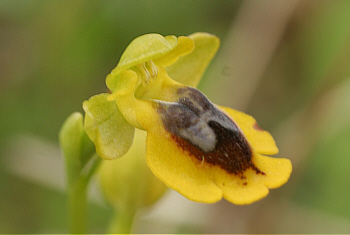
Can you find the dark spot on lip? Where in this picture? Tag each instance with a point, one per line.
(184, 121)
(257, 127)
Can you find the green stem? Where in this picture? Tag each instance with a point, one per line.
(77, 204)
(81, 162)
(78, 180)
(122, 221)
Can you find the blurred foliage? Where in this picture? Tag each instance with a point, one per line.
(328, 189)
(55, 54)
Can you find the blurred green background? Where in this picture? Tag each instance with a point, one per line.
(287, 63)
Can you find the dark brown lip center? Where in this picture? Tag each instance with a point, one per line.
(206, 133)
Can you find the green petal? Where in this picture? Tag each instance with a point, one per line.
(106, 127)
(163, 50)
(189, 69)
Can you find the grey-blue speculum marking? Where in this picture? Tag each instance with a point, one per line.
(200, 128)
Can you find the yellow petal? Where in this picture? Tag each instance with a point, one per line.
(253, 186)
(243, 182)
(240, 190)
(277, 170)
(261, 140)
(177, 169)
(203, 182)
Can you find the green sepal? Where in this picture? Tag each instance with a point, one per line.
(106, 127)
(162, 50)
(190, 68)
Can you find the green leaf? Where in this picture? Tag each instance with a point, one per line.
(190, 68)
(106, 127)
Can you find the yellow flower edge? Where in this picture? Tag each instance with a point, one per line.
(255, 186)
(262, 140)
(202, 182)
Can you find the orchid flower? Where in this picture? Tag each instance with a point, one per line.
(204, 151)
